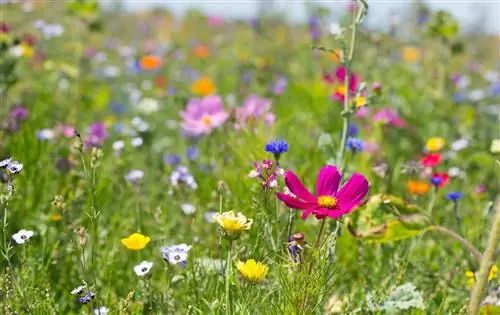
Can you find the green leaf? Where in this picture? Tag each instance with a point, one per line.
(386, 218)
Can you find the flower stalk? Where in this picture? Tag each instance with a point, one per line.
(486, 262)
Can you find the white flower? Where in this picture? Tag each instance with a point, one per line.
(22, 236)
(273, 183)
(336, 29)
(111, 71)
(176, 254)
(455, 172)
(118, 145)
(136, 142)
(78, 290)
(209, 216)
(45, 134)
(463, 82)
(476, 95)
(148, 105)
(5, 162)
(17, 51)
(140, 124)
(14, 167)
(103, 310)
(134, 176)
(126, 51)
(491, 76)
(39, 24)
(100, 57)
(188, 209)
(253, 174)
(460, 144)
(143, 268)
(52, 30)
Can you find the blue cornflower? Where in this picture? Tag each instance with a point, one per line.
(352, 130)
(117, 108)
(276, 147)
(454, 196)
(459, 97)
(89, 296)
(355, 144)
(192, 153)
(436, 181)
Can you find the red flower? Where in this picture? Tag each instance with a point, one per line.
(330, 201)
(431, 160)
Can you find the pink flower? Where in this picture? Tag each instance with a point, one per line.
(340, 90)
(201, 116)
(255, 108)
(330, 201)
(96, 135)
(66, 130)
(215, 20)
(389, 117)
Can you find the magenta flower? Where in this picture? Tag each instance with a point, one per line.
(389, 117)
(96, 135)
(330, 201)
(341, 91)
(201, 116)
(255, 108)
(19, 112)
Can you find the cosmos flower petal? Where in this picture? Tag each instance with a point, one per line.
(328, 181)
(352, 192)
(297, 188)
(292, 202)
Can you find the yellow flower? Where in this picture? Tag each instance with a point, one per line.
(495, 146)
(471, 279)
(136, 241)
(203, 86)
(55, 217)
(360, 101)
(435, 144)
(252, 271)
(233, 224)
(410, 53)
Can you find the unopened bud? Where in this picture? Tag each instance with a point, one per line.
(96, 157)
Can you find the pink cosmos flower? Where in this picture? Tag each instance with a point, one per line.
(65, 130)
(215, 20)
(201, 116)
(330, 201)
(389, 117)
(255, 108)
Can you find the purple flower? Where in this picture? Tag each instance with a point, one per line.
(201, 116)
(96, 135)
(255, 108)
(192, 153)
(19, 112)
(172, 159)
(279, 86)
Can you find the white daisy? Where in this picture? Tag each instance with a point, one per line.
(136, 142)
(188, 209)
(134, 176)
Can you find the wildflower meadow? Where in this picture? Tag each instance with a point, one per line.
(152, 163)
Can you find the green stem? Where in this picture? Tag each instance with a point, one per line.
(486, 262)
(432, 200)
(471, 248)
(228, 275)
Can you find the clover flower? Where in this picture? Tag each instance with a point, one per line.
(136, 241)
(252, 270)
(22, 236)
(329, 201)
(176, 254)
(233, 224)
(143, 268)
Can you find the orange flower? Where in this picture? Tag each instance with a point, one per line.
(201, 51)
(337, 56)
(416, 187)
(410, 53)
(150, 62)
(203, 86)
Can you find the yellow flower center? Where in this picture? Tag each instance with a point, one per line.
(327, 201)
(206, 120)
